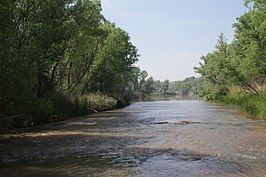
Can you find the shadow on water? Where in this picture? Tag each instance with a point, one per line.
(168, 98)
(132, 161)
(105, 154)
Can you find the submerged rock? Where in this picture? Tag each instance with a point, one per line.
(162, 122)
(181, 122)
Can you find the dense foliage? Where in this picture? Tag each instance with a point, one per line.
(53, 53)
(190, 86)
(240, 67)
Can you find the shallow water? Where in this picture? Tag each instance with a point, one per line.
(129, 142)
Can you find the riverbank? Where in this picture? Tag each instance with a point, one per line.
(254, 105)
(89, 104)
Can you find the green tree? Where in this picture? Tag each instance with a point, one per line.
(165, 85)
(216, 69)
(250, 47)
(242, 63)
(111, 71)
(54, 52)
(143, 86)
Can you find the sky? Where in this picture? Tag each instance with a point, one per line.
(172, 35)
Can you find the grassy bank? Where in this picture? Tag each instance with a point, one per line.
(57, 109)
(252, 104)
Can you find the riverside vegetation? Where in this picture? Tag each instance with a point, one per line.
(64, 58)
(235, 73)
(55, 55)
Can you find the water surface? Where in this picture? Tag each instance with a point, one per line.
(129, 142)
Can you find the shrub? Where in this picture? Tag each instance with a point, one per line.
(100, 102)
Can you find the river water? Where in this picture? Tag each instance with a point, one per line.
(129, 142)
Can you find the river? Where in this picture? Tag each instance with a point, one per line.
(218, 142)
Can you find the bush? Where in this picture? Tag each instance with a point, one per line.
(100, 102)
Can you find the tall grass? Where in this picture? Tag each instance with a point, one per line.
(252, 104)
(57, 108)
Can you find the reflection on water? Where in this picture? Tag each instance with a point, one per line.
(128, 142)
(169, 98)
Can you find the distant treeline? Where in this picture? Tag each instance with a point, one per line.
(188, 87)
(235, 73)
(148, 87)
(53, 53)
